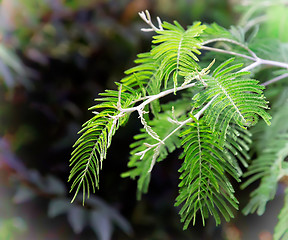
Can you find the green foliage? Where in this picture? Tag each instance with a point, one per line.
(281, 229)
(269, 167)
(142, 161)
(176, 50)
(143, 78)
(204, 186)
(90, 149)
(142, 165)
(141, 74)
(210, 120)
(238, 99)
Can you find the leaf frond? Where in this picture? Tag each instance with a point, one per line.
(96, 135)
(204, 187)
(142, 159)
(177, 50)
(239, 99)
(281, 229)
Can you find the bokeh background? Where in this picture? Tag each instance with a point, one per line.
(55, 57)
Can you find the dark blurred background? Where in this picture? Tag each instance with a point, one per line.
(55, 57)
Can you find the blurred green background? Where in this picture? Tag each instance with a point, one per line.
(55, 57)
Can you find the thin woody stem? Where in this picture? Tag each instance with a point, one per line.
(227, 52)
(276, 79)
(257, 61)
(231, 41)
(155, 97)
(182, 124)
(147, 18)
(197, 116)
(140, 111)
(150, 99)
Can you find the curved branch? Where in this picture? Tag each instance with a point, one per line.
(276, 79)
(182, 124)
(231, 41)
(226, 51)
(147, 18)
(257, 61)
(155, 97)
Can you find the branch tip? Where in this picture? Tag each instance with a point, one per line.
(147, 18)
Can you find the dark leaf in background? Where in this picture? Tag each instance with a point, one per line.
(54, 186)
(57, 207)
(23, 194)
(101, 224)
(113, 215)
(77, 217)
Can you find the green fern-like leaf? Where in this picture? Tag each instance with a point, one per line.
(239, 99)
(143, 73)
(269, 168)
(141, 166)
(204, 187)
(91, 148)
(281, 229)
(270, 165)
(214, 30)
(176, 50)
(236, 147)
(144, 78)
